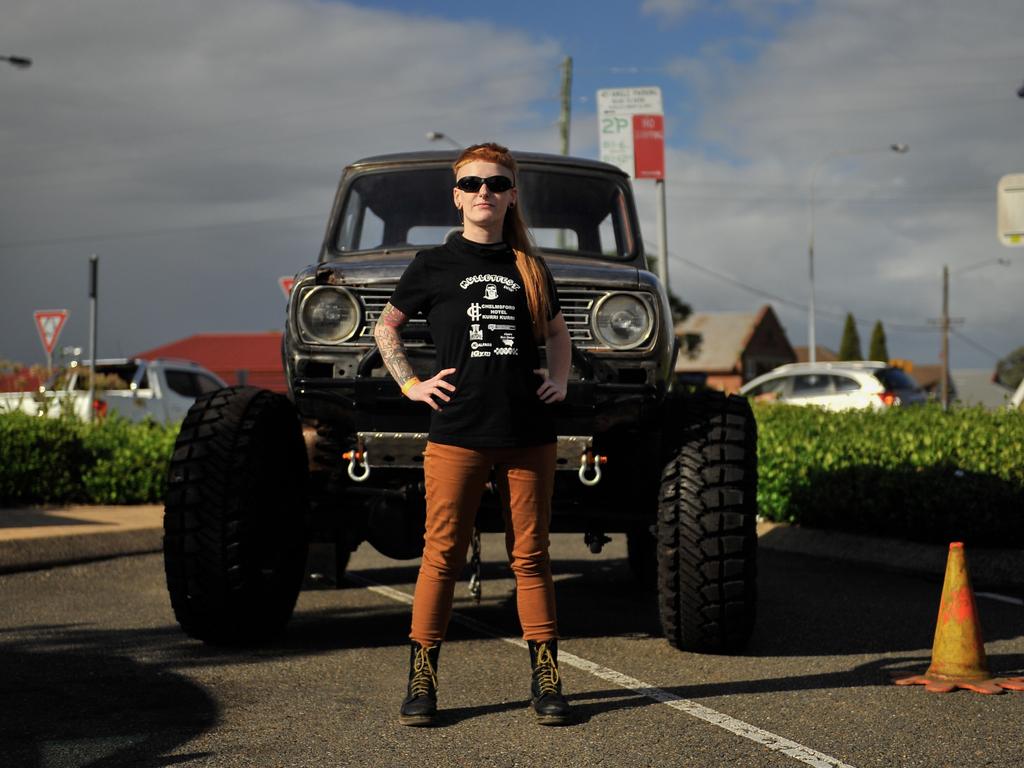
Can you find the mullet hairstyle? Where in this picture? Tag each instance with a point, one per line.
(515, 233)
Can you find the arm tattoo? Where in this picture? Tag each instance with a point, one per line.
(390, 316)
(389, 342)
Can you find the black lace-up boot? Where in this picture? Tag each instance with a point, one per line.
(546, 684)
(420, 705)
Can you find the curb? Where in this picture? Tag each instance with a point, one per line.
(46, 552)
(34, 538)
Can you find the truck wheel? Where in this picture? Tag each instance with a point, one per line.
(707, 527)
(234, 522)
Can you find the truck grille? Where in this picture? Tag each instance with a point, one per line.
(374, 300)
(577, 307)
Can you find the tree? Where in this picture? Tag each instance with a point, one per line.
(879, 350)
(680, 309)
(1010, 370)
(849, 347)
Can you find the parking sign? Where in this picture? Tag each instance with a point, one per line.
(620, 140)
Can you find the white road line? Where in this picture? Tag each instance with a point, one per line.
(1000, 598)
(767, 739)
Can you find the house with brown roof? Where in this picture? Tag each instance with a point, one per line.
(821, 354)
(731, 348)
(238, 358)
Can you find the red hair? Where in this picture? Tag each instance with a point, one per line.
(515, 233)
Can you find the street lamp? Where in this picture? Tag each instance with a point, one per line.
(900, 149)
(21, 62)
(438, 136)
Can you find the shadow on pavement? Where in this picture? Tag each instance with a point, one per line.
(82, 705)
(871, 674)
(806, 607)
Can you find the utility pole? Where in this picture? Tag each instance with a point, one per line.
(563, 120)
(563, 123)
(945, 322)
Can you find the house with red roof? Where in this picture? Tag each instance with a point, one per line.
(238, 358)
(728, 349)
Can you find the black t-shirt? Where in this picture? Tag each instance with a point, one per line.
(475, 304)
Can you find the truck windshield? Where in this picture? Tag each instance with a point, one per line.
(569, 213)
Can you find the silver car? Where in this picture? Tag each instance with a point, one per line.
(836, 386)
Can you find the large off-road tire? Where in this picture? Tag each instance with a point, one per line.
(234, 522)
(707, 527)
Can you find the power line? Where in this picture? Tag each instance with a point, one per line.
(157, 232)
(783, 300)
(976, 345)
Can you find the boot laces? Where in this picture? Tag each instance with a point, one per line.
(546, 671)
(424, 677)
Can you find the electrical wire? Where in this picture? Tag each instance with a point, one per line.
(900, 326)
(980, 347)
(131, 235)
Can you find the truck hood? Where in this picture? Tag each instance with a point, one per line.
(387, 266)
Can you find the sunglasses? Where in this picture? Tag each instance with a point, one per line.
(494, 183)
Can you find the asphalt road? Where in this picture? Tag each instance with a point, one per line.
(95, 672)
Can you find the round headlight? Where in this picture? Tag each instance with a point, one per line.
(622, 321)
(329, 315)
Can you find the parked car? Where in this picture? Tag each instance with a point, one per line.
(135, 389)
(836, 386)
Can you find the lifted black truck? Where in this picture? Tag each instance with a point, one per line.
(257, 476)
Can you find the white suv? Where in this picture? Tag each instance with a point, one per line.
(836, 386)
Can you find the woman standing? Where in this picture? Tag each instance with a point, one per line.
(489, 301)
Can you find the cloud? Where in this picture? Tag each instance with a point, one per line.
(670, 10)
(753, 11)
(845, 78)
(196, 147)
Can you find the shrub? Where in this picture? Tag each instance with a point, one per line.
(42, 459)
(129, 462)
(64, 460)
(914, 473)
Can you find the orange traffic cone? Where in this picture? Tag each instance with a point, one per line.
(958, 652)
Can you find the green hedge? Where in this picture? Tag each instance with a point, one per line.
(914, 473)
(64, 460)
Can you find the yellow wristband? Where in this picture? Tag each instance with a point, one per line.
(409, 385)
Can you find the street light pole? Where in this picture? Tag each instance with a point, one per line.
(438, 136)
(21, 62)
(944, 376)
(93, 274)
(901, 149)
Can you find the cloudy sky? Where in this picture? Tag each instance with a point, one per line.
(195, 147)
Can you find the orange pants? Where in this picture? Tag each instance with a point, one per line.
(455, 480)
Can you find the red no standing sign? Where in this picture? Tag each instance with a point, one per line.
(49, 323)
(649, 146)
